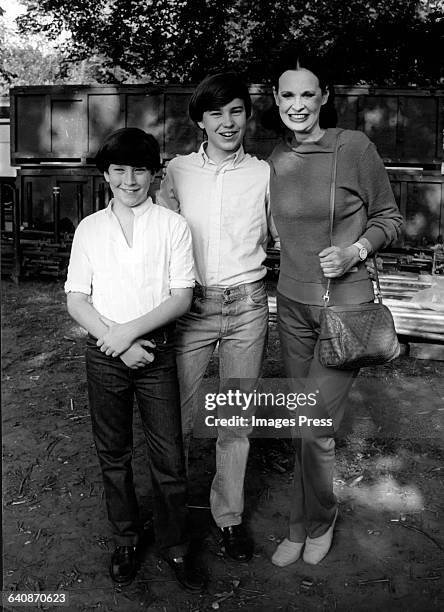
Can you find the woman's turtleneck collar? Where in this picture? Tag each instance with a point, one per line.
(324, 144)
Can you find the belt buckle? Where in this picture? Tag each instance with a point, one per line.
(228, 295)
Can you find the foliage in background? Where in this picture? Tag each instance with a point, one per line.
(378, 42)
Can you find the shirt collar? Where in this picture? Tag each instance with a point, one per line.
(138, 211)
(233, 159)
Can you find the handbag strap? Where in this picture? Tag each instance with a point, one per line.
(334, 167)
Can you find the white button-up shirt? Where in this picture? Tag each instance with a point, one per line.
(226, 206)
(127, 282)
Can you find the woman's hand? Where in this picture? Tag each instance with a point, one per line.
(336, 261)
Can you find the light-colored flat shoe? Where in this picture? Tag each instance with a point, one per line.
(317, 548)
(287, 552)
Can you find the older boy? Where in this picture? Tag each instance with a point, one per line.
(223, 194)
(130, 276)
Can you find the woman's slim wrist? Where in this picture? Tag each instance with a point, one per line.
(367, 245)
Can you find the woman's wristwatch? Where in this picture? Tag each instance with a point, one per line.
(362, 251)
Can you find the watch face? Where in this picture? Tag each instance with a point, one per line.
(363, 253)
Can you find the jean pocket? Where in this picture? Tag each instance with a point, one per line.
(257, 297)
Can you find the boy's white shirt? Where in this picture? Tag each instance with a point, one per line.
(227, 208)
(127, 282)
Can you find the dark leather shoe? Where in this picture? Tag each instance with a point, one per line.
(123, 566)
(237, 544)
(186, 574)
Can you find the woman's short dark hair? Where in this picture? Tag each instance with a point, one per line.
(293, 57)
(217, 90)
(129, 147)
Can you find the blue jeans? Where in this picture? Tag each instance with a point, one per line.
(112, 387)
(237, 319)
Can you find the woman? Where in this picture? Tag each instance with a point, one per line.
(366, 219)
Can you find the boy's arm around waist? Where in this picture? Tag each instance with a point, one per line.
(272, 231)
(274, 240)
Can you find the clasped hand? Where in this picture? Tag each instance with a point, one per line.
(336, 261)
(136, 356)
(117, 342)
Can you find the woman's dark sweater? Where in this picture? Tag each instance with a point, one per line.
(300, 202)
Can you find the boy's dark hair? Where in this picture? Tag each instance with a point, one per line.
(129, 147)
(216, 91)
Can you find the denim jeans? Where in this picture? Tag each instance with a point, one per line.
(313, 503)
(237, 319)
(112, 387)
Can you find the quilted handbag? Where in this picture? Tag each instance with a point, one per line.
(357, 335)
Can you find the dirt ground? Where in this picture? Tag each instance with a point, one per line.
(388, 549)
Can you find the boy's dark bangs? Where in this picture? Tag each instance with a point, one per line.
(225, 94)
(221, 97)
(127, 154)
(129, 147)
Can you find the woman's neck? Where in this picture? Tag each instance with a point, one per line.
(310, 137)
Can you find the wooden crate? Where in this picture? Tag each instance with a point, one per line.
(67, 123)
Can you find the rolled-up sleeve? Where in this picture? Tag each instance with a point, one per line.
(79, 278)
(384, 219)
(181, 270)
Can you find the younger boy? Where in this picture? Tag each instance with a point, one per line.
(130, 276)
(223, 194)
